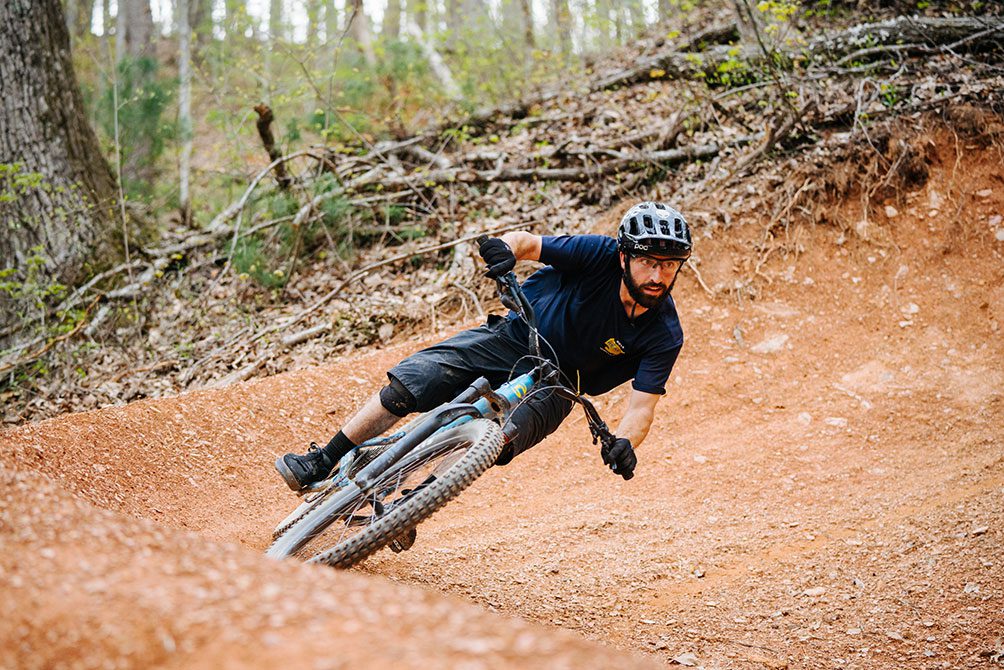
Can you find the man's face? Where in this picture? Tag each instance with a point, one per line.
(649, 279)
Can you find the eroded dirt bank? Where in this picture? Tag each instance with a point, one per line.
(823, 488)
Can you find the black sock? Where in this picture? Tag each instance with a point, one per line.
(338, 447)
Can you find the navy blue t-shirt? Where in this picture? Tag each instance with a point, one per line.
(576, 299)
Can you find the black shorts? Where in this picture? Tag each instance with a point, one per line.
(439, 373)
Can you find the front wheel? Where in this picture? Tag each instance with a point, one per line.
(351, 525)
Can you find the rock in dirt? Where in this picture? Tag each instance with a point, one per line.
(688, 659)
(771, 345)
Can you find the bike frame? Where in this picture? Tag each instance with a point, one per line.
(478, 401)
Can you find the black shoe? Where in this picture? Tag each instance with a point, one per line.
(302, 471)
(403, 542)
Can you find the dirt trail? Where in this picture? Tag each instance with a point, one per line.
(823, 488)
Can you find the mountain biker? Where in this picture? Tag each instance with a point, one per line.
(603, 305)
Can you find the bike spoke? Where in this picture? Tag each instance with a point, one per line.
(387, 493)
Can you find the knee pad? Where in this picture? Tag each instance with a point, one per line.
(396, 399)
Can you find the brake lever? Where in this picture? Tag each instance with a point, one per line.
(506, 293)
(597, 426)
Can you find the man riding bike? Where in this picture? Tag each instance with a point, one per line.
(604, 306)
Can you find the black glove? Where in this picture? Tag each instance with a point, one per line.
(498, 256)
(619, 455)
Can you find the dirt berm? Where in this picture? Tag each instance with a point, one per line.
(823, 487)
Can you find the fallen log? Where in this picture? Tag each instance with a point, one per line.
(912, 34)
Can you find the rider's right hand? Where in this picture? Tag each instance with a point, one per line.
(499, 257)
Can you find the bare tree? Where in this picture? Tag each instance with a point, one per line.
(603, 24)
(133, 30)
(454, 22)
(200, 22)
(106, 17)
(84, 18)
(526, 9)
(136, 57)
(637, 13)
(68, 211)
(330, 34)
(359, 26)
(436, 62)
(236, 17)
(561, 21)
(665, 10)
(184, 107)
(391, 29)
(418, 13)
(313, 23)
(276, 29)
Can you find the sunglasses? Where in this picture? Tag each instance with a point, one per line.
(665, 265)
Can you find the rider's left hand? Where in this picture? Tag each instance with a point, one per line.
(499, 257)
(619, 455)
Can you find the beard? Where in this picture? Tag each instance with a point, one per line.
(638, 294)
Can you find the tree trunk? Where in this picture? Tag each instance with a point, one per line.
(454, 23)
(200, 22)
(237, 17)
(561, 19)
(106, 17)
(418, 13)
(602, 10)
(528, 35)
(637, 17)
(436, 62)
(136, 57)
(72, 15)
(184, 108)
(313, 24)
(69, 212)
(84, 18)
(134, 30)
(665, 9)
(330, 34)
(361, 31)
(392, 20)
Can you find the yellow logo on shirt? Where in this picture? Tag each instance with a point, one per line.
(613, 347)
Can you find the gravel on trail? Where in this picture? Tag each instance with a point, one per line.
(823, 488)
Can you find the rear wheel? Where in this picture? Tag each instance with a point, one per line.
(347, 526)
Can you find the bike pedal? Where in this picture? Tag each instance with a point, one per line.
(403, 542)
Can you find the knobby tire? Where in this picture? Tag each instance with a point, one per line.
(486, 441)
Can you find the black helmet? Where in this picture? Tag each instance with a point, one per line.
(652, 228)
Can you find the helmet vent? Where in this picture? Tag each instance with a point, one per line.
(655, 227)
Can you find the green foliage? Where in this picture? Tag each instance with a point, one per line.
(15, 182)
(143, 97)
(733, 71)
(889, 94)
(250, 260)
(32, 291)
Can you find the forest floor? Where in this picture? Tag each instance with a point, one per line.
(823, 487)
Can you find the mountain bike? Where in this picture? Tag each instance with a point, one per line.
(382, 489)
